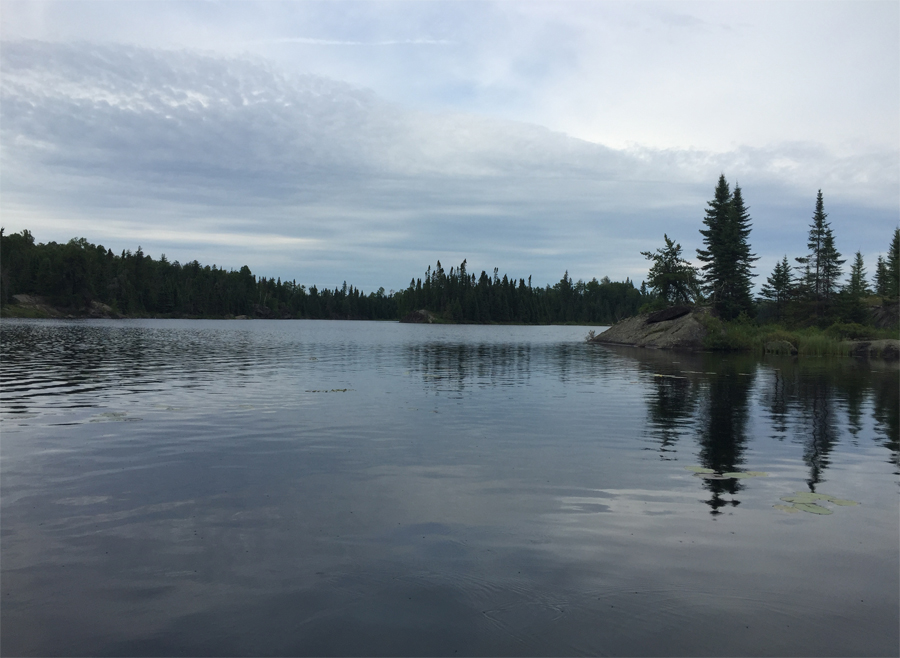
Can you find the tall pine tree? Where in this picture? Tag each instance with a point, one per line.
(727, 261)
(823, 261)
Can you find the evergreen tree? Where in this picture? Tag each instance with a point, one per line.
(671, 277)
(823, 261)
(739, 260)
(892, 265)
(857, 286)
(831, 267)
(717, 212)
(727, 261)
(854, 291)
(778, 287)
(881, 277)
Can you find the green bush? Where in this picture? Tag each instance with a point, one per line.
(727, 337)
(848, 331)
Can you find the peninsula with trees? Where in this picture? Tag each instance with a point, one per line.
(805, 307)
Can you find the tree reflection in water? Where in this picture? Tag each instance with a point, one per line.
(723, 417)
(806, 398)
(671, 403)
(815, 403)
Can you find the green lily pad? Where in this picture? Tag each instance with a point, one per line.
(842, 502)
(807, 501)
(812, 508)
(699, 469)
(741, 475)
(804, 497)
(787, 508)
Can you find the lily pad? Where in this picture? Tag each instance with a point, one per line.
(812, 508)
(741, 475)
(808, 501)
(787, 508)
(699, 469)
(804, 497)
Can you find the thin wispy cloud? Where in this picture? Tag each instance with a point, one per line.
(340, 42)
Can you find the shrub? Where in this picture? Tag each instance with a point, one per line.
(848, 331)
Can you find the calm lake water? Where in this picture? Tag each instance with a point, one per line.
(340, 488)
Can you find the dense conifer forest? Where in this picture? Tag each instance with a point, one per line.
(74, 275)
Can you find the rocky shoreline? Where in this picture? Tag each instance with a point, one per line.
(676, 328)
(35, 306)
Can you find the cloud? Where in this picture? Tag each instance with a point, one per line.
(339, 42)
(185, 152)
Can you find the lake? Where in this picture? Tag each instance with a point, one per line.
(175, 487)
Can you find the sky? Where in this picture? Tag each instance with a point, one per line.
(363, 141)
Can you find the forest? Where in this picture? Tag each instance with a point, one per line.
(74, 275)
(809, 291)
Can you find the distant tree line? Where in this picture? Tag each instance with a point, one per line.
(76, 274)
(461, 297)
(809, 292)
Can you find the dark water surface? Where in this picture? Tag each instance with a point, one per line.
(336, 488)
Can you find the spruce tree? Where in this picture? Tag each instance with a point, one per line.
(856, 289)
(778, 287)
(831, 267)
(823, 261)
(881, 277)
(857, 286)
(892, 264)
(727, 261)
(739, 264)
(716, 218)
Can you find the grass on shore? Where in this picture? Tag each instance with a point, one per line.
(744, 336)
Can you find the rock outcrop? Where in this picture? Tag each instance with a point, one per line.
(886, 316)
(38, 306)
(676, 328)
(885, 348)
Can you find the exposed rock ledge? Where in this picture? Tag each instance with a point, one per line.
(676, 328)
(41, 307)
(886, 348)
